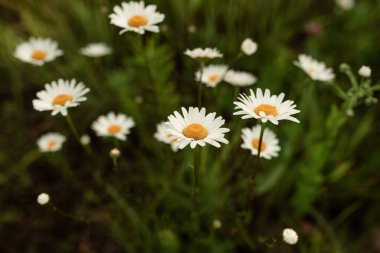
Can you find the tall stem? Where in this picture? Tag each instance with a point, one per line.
(200, 85)
(259, 150)
(75, 132)
(197, 159)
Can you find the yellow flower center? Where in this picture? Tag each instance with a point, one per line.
(137, 21)
(268, 109)
(255, 145)
(62, 99)
(195, 131)
(213, 78)
(39, 55)
(114, 129)
(51, 144)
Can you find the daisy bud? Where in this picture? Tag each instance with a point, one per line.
(365, 71)
(345, 4)
(289, 236)
(85, 140)
(43, 199)
(115, 153)
(248, 46)
(216, 224)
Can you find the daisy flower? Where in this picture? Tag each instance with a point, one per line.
(269, 144)
(162, 135)
(365, 71)
(265, 107)
(194, 127)
(59, 96)
(316, 70)
(37, 51)
(289, 236)
(211, 74)
(203, 54)
(50, 142)
(136, 17)
(96, 50)
(113, 125)
(248, 47)
(239, 78)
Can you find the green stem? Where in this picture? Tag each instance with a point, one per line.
(75, 132)
(200, 85)
(197, 159)
(259, 150)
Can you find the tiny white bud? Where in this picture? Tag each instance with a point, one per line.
(345, 4)
(248, 46)
(191, 28)
(217, 224)
(289, 236)
(43, 199)
(85, 140)
(365, 71)
(115, 153)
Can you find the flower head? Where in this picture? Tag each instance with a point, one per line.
(289, 236)
(269, 144)
(345, 4)
(239, 78)
(194, 127)
(264, 106)
(203, 54)
(59, 96)
(50, 142)
(211, 74)
(96, 50)
(365, 71)
(85, 140)
(136, 17)
(316, 70)
(43, 199)
(115, 153)
(249, 47)
(162, 135)
(38, 51)
(113, 125)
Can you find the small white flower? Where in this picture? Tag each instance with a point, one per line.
(194, 127)
(96, 50)
(290, 236)
(162, 135)
(269, 145)
(365, 71)
(345, 4)
(265, 107)
(316, 70)
(113, 125)
(211, 74)
(115, 153)
(249, 47)
(136, 17)
(43, 199)
(203, 54)
(239, 78)
(38, 51)
(216, 224)
(59, 96)
(50, 142)
(85, 140)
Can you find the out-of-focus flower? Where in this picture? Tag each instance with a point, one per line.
(269, 144)
(216, 224)
(162, 135)
(85, 140)
(289, 236)
(314, 28)
(113, 125)
(115, 153)
(316, 70)
(96, 50)
(203, 54)
(365, 71)
(43, 199)
(239, 78)
(211, 75)
(345, 4)
(38, 51)
(50, 142)
(249, 47)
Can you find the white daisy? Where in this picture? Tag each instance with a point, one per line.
(37, 51)
(269, 144)
(239, 78)
(265, 107)
(194, 127)
(211, 74)
(316, 70)
(203, 54)
(249, 47)
(162, 135)
(113, 125)
(289, 236)
(365, 71)
(50, 142)
(136, 17)
(96, 50)
(43, 198)
(59, 96)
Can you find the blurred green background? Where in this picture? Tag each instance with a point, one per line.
(325, 183)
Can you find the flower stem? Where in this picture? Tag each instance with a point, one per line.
(197, 159)
(259, 150)
(75, 132)
(200, 85)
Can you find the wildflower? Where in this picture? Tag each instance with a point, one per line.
(115, 153)
(50, 142)
(239, 78)
(216, 224)
(96, 50)
(269, 144)
(345, 4)
(38, 51)
(249, 47)
(59, 96)
(316, 70)
(162, 135)
(85, 139)
(203, 54)
(43, 199)
(290, 236)
(113, 125)
(136, 17)
(194, 127)
(365, 71)
(211, 75)
(265, 107)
